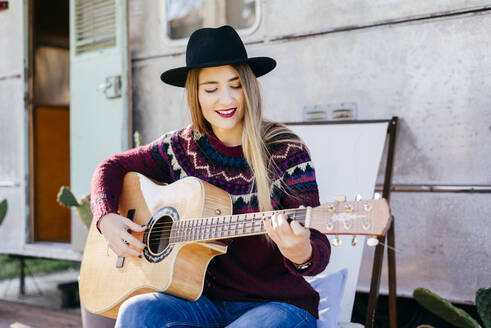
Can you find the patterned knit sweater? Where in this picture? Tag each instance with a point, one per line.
(253, 268)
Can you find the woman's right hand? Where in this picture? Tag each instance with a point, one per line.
(115, 229)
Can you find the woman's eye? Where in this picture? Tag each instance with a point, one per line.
(237, 86)
(210, 90)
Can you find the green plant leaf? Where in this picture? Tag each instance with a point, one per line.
(66, 198)
(84, 211)
(444, 309)
(3, 210)
(483, 304)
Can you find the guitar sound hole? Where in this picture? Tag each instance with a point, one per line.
(159, 234)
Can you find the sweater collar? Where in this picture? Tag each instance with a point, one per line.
(235, 151)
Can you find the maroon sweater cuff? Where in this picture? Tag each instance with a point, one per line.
(321, 251)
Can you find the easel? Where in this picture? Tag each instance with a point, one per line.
(379, 251)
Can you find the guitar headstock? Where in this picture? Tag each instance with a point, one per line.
(361, 217)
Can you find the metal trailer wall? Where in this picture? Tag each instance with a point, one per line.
(12, 128)
(427, 62)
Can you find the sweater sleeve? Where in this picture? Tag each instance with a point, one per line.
(107, 181)
(300, 188)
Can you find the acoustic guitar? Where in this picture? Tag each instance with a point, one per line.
(185, 222)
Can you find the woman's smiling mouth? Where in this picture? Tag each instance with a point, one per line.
(226, 113)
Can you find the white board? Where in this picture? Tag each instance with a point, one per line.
(346, 159)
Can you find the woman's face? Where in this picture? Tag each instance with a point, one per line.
(221, 99)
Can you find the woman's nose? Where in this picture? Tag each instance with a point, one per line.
(226, 97)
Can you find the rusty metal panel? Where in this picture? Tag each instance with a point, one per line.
(148, 31)
(442, 242)
(157, 107)
(147, 19)
(11, 50)
(12, 170)
(434, 75)
(312, 16)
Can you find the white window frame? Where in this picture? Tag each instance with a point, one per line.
(178, 43)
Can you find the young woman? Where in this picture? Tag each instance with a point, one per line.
(259, 282)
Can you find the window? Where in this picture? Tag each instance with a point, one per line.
(186, 16)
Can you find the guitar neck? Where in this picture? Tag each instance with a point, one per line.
(230, 226)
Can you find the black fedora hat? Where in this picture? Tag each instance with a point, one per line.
(208, 47)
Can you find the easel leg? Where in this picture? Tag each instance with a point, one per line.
(391, 257)
(375, 283)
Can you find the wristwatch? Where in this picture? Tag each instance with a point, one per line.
(303, 266)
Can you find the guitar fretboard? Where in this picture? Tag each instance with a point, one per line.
(219, 227)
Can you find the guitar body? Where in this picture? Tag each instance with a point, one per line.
(107, 280)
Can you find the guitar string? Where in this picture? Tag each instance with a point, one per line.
(188, 231)
(198, 229)
(212, 230)
(290, 211)
(300, 216)
(229, 217)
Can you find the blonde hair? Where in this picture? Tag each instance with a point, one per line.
(255, 141)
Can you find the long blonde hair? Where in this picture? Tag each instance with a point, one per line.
(255, 141)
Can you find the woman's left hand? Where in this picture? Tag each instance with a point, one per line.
(292, 239)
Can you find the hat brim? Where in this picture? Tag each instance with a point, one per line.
(259, 66)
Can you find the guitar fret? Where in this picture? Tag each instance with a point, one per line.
(229, 220)
(207, 228)
(233, 225)
(224, 224)
(203, 229)
(193, 229)
(172, 234)
(248, 225)
(197, 228)
(215, 227)
(199, 224)
(219, 227)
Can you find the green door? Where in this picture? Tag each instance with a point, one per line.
(100, 117)
(99, 86)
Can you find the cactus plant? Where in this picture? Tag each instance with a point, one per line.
(444, 309)
(483, 304)
(3, 210)
(66, 198)
(137, 139)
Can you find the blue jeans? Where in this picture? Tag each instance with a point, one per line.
(162, 310)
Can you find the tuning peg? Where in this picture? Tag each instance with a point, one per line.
(340, 198)
(372, 241)
(337, 241)
(348, 208)
(377, 195)
(354, 240)
(347, 224)
(358, 197)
